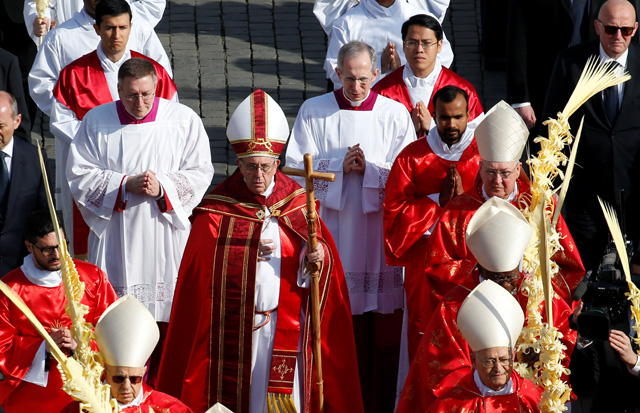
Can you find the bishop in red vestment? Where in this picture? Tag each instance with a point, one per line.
(426, 175)
(240, 329)
(30, 386)
(415, 84)
(91, 81)
(500, 137)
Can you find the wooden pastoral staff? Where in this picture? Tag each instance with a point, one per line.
(314, 268)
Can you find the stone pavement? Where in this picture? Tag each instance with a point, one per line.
(222, 50)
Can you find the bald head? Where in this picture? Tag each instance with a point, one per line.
(616, 25)
(9, 118)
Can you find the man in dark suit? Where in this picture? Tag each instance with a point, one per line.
(608, 157)
(21, 185)
(11, 81)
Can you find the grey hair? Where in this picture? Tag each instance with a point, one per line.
(13, 104)
(137, 68)
(355, 48)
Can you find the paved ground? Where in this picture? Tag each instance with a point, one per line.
(223, 49)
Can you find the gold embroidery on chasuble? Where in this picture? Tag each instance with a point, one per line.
(243, 303)
(282, 369)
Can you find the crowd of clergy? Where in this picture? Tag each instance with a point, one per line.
(403, 292)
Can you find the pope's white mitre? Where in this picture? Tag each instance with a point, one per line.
(490, 317)
(502, 134)
(258, 127)
(497, 235)
(127, 333)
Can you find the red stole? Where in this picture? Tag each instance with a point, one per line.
(83, 86)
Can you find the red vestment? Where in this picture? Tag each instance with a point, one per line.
(393, 87)
(466, 397)
(449, 261)
(444, 357)
(207, 356)
(83, 86)
(408, 213)
(19, 340)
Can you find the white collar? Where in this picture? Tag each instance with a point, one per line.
(413, 81)
(487, 392)
(35, 275)
(270, 188)
(355, 103)
(9, 148)
(622, 60)
(510, 198)
(107, 64)
(135, 402)
(453, 152)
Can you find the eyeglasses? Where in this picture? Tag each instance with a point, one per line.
(121, 379)
(492, 173)
(413, 44)
(504, 362)
(613, 30)
(144, 96)
(351, 80)
(46, 251)
(253, 167)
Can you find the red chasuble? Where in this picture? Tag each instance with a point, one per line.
(444, 357)
(449, 261)
(83, 86)
(393, 87)
(466, 397)
(408, 213)
(19, 340)
(207, 356)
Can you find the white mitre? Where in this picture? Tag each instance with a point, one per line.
(490, 317)
(258, 127)
(502, 134)
(127, 333)
(218, 408)
(497, 235)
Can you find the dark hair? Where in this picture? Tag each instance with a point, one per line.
(137, 68)
(112, 8)
(424, 21)
(448, 93)
(38, 225)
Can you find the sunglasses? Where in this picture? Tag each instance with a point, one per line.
(121, 379)
(613, 30)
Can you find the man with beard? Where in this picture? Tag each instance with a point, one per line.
(426, 175)
(32, 380)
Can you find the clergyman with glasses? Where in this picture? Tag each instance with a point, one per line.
(136, 169)
(32, 382)
(240, 327)
(501, 138)
(415, 84)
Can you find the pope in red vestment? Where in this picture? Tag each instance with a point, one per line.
(413, 197)
(449, 260)
(19, 340)
(444, 357)
(465, 397)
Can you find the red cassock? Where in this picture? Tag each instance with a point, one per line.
(19, 340)
(207, 356)
(466, 398)
(444, 357)
(449, 261)
(83, 86)
(393, 87)
(408, 213)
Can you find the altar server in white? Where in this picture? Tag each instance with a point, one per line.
(136, 168)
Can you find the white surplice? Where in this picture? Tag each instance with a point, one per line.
(351, 206)
(140, 248)
(147, 11)
(65, 125)
(376, 26)
(72, 40)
